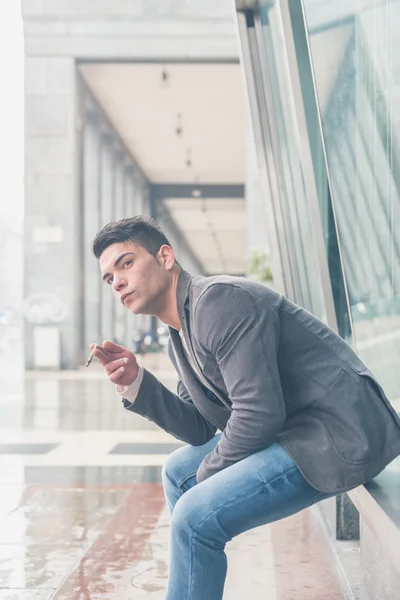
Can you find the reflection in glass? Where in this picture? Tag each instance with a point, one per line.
(356, 63)
(296, 223)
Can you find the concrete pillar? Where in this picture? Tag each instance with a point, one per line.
(119, 310)
(119, 186)
(138, 201)
(91, 216)
(106, 215)
(130, 320)
(53, 221)
(135, 207)
(143, 208)
(129, 192)
(347, 519)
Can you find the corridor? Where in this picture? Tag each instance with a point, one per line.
(82, 514)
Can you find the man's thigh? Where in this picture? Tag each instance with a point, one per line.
(262, 488)
(182, 465)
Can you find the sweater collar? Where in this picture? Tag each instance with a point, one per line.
(182, 292)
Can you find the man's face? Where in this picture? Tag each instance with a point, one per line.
(138, 280)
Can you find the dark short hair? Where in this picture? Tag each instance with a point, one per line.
(141, 230)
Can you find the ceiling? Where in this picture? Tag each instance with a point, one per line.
(144, 108)
(184, 124)
(215, 229)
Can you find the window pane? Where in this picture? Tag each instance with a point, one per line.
(356, 62)
(292, 195)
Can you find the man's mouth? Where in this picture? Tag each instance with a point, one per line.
(124, 296)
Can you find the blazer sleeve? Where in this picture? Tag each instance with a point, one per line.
(175, 413)
(242, 334)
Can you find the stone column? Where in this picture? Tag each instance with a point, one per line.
(119, 310)
(143, 208)
(107, 210)
(130, 321)
(91, 217)
(53, 224)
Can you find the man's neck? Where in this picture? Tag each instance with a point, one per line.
(169, 315)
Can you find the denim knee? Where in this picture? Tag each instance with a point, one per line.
(186, 513)
(175, 467)
(193, 515)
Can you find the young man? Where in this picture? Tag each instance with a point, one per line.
(302, 418)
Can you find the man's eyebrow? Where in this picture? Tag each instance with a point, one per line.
(117, 263)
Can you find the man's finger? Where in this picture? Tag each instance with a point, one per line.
(102, 356)
(117, 375)
(114, 348)
(112, 366)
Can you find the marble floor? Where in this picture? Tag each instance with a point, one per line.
(82, 512)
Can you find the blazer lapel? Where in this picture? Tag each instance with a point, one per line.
(184, 316)
(218, 415)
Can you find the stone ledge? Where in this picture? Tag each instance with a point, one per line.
(167, 48)
(378, 503)
(125, 8)
(132, 27)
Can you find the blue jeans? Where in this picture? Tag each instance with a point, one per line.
(264, 487)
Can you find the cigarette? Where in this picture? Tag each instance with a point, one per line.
(90, 358)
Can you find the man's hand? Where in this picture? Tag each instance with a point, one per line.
(119, 363)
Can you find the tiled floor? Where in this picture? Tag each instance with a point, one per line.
(82, 513)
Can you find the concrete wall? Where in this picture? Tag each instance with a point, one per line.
(52, 200)
(130, 29)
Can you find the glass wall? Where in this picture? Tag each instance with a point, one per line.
(355, 54)
(279, 151)
(323, 78)
(297, 229)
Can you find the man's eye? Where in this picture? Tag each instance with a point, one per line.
(109, 281)
(128, 262)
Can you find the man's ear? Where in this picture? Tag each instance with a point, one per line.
(166, 257)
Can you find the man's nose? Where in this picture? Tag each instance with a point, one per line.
(118, 284)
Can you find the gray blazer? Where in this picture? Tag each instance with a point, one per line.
(270, 371)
